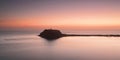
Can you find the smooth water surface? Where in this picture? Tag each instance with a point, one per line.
(33, 47)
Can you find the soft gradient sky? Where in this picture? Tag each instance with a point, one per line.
(60, 14)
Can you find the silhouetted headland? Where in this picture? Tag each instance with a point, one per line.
(51, 34)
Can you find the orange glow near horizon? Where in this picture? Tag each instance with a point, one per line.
(68, 21)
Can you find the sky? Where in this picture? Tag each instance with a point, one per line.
(60, 14)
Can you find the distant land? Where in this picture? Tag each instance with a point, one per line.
(55, 34)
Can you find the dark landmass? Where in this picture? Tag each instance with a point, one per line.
(111, 35)
(51, 34)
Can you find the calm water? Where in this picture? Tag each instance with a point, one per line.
(14, 46)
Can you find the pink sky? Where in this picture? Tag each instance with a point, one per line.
(61, 14)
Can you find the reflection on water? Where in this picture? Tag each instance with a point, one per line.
(32, 47)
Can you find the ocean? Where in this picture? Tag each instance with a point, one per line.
(29, 46)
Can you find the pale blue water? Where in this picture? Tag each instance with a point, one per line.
(29, 46)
